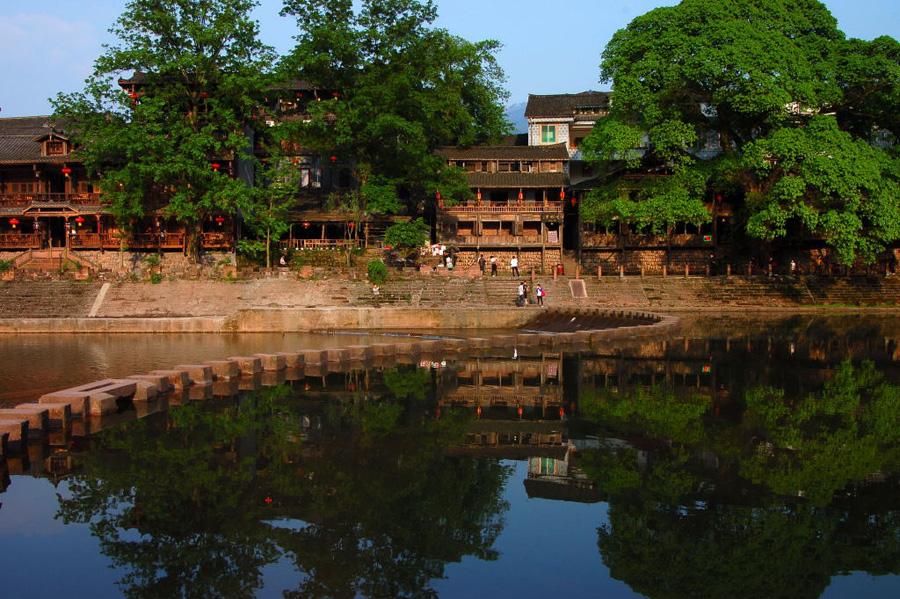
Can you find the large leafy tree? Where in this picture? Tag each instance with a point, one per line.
(198, 68)
(792, 105)
(402, 88)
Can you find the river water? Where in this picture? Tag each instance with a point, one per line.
(734, 458)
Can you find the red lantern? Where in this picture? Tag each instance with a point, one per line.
(562, 194)
(521, 195)
(479, 195)
(220, 220)
(14, 222)
(133, 96)
(66, 171)
(437, 194)
(79, 220)
(204, 95)
(335, 94)
(215, 166)
(334, 158)
(351, 224)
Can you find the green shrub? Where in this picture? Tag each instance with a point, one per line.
(377, 272)
(156, 278)
(5, 265)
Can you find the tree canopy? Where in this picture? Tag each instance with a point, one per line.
(764, 102)
(403, 88)
(198, 72)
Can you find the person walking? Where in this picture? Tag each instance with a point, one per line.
(514, 265)
(520, 301)
(539, 294)
(493, 266)
(480, 262)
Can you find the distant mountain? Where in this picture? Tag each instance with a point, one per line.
(516, 114)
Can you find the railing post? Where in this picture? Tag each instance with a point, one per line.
(687, 270)
(599, 272)
(664, 270)
(621, 271)
(728, 270)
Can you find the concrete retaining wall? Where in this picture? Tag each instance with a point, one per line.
(283, 319)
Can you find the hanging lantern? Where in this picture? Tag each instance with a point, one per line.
(520, 411)
(437, 194)
(305, 225)
(79, 220)
(334, 158)
(66, 171)
(562, 194)
(133, 96)
(479, 410)
(351, 224)
(215, 166)
(562, 412)
(478, 195)
(204, 95)
(335, 94)
(295, 160)
(220, 220)
(14, 222)
(521, 195)
(718, 197)
(574, 201)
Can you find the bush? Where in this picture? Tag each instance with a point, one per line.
(5, 265)
(377, 271)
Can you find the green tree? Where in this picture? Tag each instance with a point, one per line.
(402, 89)
(791, 103)
(199, 69)
(407, 235)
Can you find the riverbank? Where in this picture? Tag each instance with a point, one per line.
(283, 302)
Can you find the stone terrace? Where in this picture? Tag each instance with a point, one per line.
(179, 298)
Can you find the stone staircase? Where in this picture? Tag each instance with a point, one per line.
(47, 299)
(52, 260)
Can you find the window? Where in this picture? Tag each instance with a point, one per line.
(548, 134)
(55, 148)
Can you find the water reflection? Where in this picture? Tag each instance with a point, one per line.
(752, 461)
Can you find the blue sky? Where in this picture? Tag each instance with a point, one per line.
(48, 46)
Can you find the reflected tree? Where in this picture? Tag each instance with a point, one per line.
(197, 501)
(788, 494)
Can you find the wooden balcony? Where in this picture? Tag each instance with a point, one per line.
(473, 207)
(15, 241)
(320, 244)
(27, 199)
(505, 241)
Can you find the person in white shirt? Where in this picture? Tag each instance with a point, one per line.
(514, 265)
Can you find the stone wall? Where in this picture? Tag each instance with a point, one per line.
(649, 262)
(528, 259)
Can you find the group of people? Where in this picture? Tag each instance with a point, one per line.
(539, 294)
(482, 264)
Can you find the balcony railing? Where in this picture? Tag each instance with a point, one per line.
(27, 199)
(320, 244)
(498, 240)
(20, 240)
(472, 207)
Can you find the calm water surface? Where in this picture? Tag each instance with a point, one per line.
(735, 459)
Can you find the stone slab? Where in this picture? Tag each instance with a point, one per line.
(160, 380)
(271, 362)
(58, 414)
(292, 359)
(100, 404)
(200, 374)
(17, 428)
(178, 379)
(224, 370)
(248, 365)
(38, 418)
(144, 391)
(77, 401)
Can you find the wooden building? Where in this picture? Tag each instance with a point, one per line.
(517, 209)
(47, 199)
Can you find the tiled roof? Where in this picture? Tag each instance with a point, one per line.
(566, 105)
(515, 180)
(20, 140)
(513, 152)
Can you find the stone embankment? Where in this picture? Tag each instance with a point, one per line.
(285, 302)
(91, 407)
